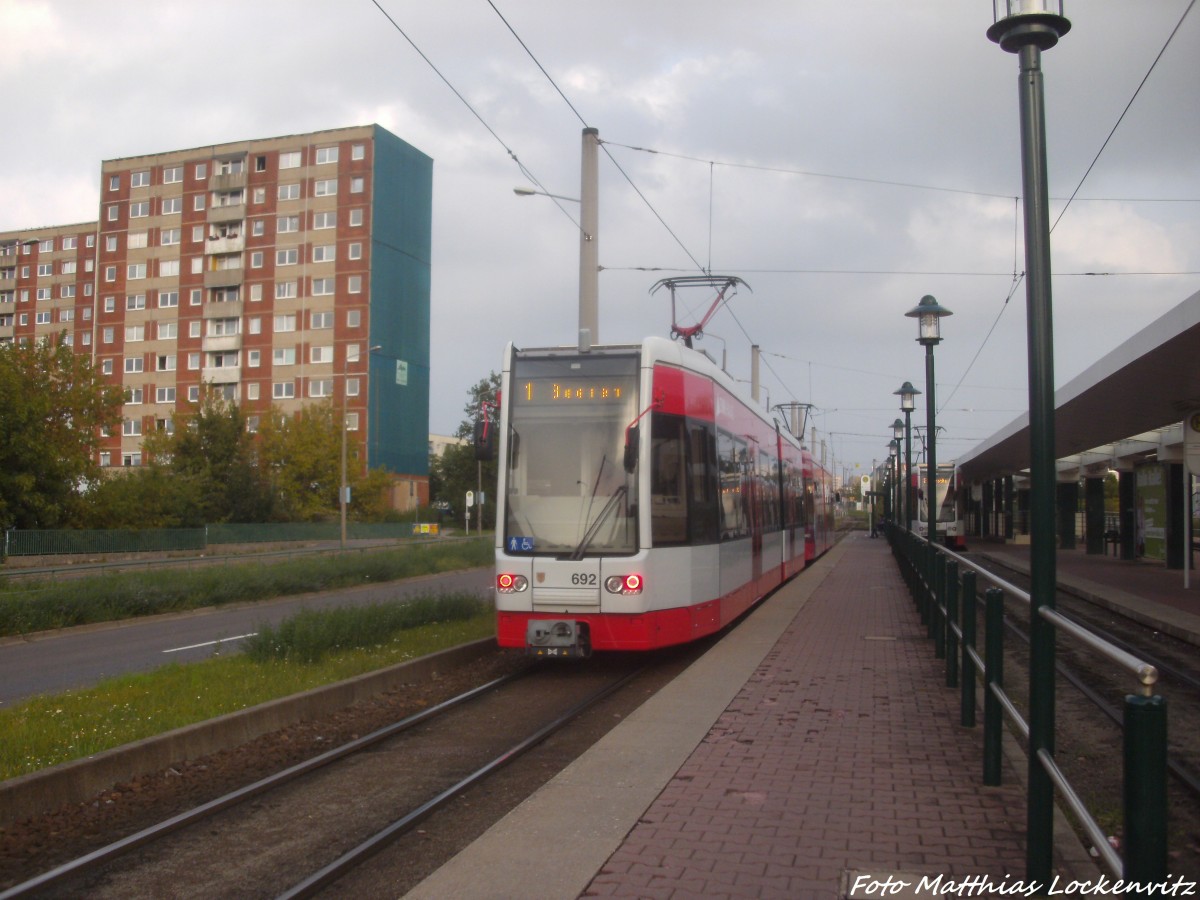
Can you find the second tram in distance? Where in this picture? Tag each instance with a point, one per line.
(641, 503)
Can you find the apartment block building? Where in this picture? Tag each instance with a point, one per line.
(278, 272)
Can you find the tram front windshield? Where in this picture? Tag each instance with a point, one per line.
(945, 501)
(568, 493)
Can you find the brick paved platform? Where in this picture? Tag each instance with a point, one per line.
(824, 746)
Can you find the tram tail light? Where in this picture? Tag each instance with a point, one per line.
(507, 583)
(623, 584)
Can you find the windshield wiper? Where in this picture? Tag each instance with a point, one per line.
(617, 496)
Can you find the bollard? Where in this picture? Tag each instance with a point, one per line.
(950, 589)
(938, 622)
(1145, 789)
(993, 661)
(969, 675)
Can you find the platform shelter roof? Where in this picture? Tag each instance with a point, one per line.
(1126, 407)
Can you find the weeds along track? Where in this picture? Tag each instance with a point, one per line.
(297, 830)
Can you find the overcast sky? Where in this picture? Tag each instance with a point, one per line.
(844, 159)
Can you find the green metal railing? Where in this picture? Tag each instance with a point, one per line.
(943, 587)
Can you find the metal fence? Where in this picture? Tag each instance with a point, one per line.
(68, 542)
(943, 585)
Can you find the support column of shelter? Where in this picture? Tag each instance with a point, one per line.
(1093, 515)
(1067, 503)
(1010, 508)
(1127, 498)
(1173, 477)
(988, 510)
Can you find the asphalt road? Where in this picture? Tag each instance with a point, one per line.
(56, 661)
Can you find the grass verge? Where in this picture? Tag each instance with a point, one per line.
(126, 595)
(52, 729)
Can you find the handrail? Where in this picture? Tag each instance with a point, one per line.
(1146, 673)
(927, 574)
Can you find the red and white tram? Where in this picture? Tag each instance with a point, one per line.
(641, 503)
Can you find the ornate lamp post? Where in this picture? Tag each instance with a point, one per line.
(894, 459)
(1027, 27)
(929, 314)
(908, 402)
(902, 473)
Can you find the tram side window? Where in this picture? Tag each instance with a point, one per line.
(732, 461)
(702, 483)
(668, 482)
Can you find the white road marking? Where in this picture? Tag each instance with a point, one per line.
(237, 637)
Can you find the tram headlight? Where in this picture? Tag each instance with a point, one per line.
(508, 583)
(623, 584)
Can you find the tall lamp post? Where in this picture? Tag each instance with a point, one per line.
(894, 471)
(343, 494)
(1026, 28)
(908, 402)
(902, 506)
(929, 314)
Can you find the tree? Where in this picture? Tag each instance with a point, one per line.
(300, 456)
(54, 405)
(211, 451)
(457, 471)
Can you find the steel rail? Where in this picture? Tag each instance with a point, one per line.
(368, 848)
(148, 835)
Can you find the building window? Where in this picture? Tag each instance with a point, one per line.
(168, 299)
(170, 236)
(356, 217)
(135, 301)
(327, 155)
(172, 174)
(139, 210)
(133, 458)
(325, 219)
(289, 160)
(135, 333)
(288, 191)
(351, 387)
(256, 259)
(253, 358)
(258, 228)
(194, 328)
(284, 356)
(260, 164)
(139, 179)
(105, 458)
(358, 151)
(283, 390)
(201, 171)
(42, 318)
(285, 322)
(354, 251)
(352, 421)
(319, 355)
(165, 362)
(285, 290)
(165, 395)
(223, 327)
(136, 240)
(168, 268)
(252, 390)
(357, 183)
(135, 271)
(322, 286)
(320, 387)
(321, 320)
(324, 253)
(287, 224)
(134, 364)
(326, 187)
(172, 206)
(354, 284)
(193, 393)
(353, 318)
(287, 257)
(114, 182)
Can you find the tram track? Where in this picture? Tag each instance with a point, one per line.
(300, 820)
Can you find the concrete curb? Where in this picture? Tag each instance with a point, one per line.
(76, 781)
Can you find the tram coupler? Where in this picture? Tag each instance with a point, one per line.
(558, 638)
